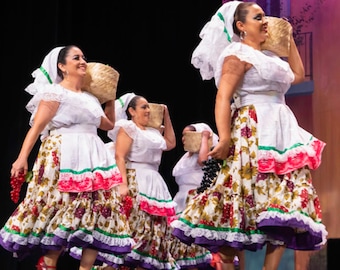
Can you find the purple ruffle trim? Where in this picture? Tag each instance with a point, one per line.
(214, 245)
(283, 230)
(77, 242)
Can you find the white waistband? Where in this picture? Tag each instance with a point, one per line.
(75, 129)
(187, 187)
(256, 98)
(136, 165)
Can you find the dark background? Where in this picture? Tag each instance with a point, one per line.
(148, 42)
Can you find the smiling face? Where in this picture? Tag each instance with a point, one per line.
(140, 112)
(253, 25)
(74, 63)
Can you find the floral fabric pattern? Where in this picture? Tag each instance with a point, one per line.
(152, 236)
(245, 208)
(50, 219)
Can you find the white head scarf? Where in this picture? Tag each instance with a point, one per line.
(47, 73)
(121, 105)
(201, 127)
(216, 35)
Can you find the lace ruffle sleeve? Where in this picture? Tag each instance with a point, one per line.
(268, 65)
(55, 92)
(47, 93)
(128, 125)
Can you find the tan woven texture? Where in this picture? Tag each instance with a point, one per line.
(156, 115)
(279, 34)
(192, 141)
(101, 80)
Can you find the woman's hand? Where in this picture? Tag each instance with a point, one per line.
(19, 167)
(123, 190)
(220, 151)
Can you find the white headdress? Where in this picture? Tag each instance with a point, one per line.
(216, 35)
(121, 105)
(47, 73)
(203, 126)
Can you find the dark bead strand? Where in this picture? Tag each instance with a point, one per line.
(210, 168)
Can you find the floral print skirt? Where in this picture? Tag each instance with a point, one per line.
(189, 256)
(49, 219)
(246, 209)
(152, 235)
(156, 247)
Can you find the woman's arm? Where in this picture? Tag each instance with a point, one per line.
(295, 62)
(204, 148)
(123, 147)
(232, 73)
(46, 111)
(108, 122)
(169, 133)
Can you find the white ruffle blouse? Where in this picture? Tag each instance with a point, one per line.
(283, 145)
(188, 175)
(145, 156)
(85, 163)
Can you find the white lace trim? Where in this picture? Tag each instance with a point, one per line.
(307, 221)
(268, 65)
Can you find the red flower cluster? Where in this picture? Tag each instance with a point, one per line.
(127, 205)
(16, 183)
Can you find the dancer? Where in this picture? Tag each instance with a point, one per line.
(188, 175)
(263, 194)
(138, 153)
(74, 197)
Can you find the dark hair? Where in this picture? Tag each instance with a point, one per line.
(190, 127)
(62, 58)
(132, 104)
(241, 14)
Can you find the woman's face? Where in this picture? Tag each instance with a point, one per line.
(75, 63)
(255, 25)
(141, 114)
(186, 129)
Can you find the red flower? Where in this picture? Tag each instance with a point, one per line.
(317, 208)
(35, 210)
(127, 206)
(304, 198)
(15, 228)
(55, 158)
(252, 115)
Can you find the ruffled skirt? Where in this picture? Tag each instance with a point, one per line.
(153, 196)
(245, 208)
(151, 233)
(49, 219)
(156, 247)
(187, 256)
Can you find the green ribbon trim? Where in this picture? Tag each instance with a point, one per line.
(272, 148)
(121, 102)
(219, 14)
(153, 198)
(46, 74)
(218, 229)
(88, 170)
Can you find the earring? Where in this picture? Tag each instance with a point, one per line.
(243, 34)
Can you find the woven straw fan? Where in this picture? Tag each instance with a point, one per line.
(279, 34)
(101, 80)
